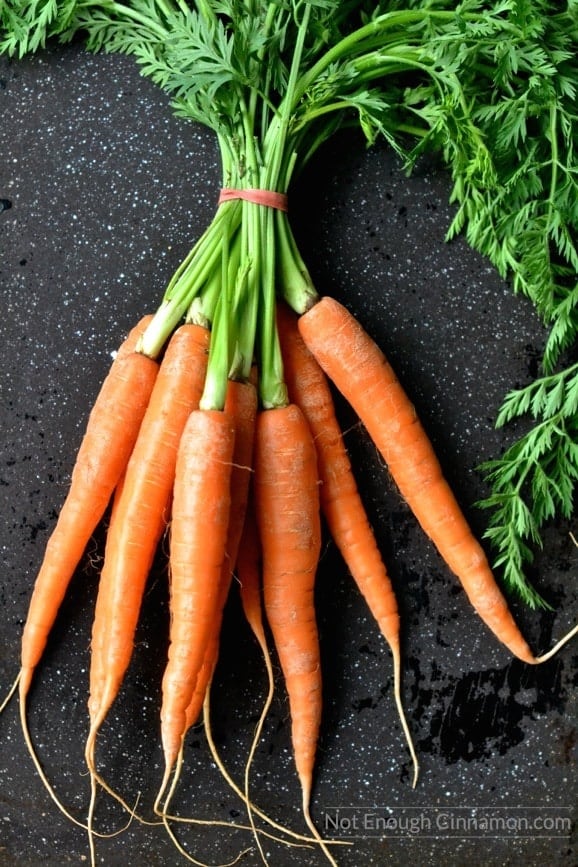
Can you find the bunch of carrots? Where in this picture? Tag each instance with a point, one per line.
(240, 489)
(216, 426)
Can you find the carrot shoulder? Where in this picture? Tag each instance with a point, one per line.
(111, 432)
(361, 372)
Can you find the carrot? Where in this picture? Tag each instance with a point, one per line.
(242, 404)
(340, 501)
(111, 431)
(288, 517)
(200, 520)
(140, 517)
(248, 571)
(190, 670)
(361, 372)
(110, 434)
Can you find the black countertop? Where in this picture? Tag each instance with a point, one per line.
(102, 192)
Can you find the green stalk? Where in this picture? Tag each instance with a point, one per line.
(273, 391)
(199, 267)
(295, 283)
(205, 10)
(215, 390)
(247, 296)
(272, 388)
(202, 309)
(272, 12)
(365, 39)
(277, 134)
(204, 247)
(127, 12)
(381, 63)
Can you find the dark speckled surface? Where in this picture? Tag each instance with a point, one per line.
(102, 191)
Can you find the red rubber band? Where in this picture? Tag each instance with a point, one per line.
(269, 198)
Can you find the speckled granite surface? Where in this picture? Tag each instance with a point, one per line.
(102, 191)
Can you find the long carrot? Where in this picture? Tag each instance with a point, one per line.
(248, 575)
(288, 517)
(241, 403)
(110, 435)
(341, 503)
(199, 525)
(359, 369)
(184, 676)
(140, 517)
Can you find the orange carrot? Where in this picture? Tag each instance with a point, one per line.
(241, 403)
(340, 501)
(140, 516)
(110, 435)
(111, 431)
(287, 507)
(101, 609)
(248, 571)
(138, 519)
(361, 372)
(199, 525)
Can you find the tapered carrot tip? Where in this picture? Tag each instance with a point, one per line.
(25, 681)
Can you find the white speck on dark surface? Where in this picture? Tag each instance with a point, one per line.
(102, 192)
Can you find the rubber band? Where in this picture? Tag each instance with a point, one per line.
(268, 198)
